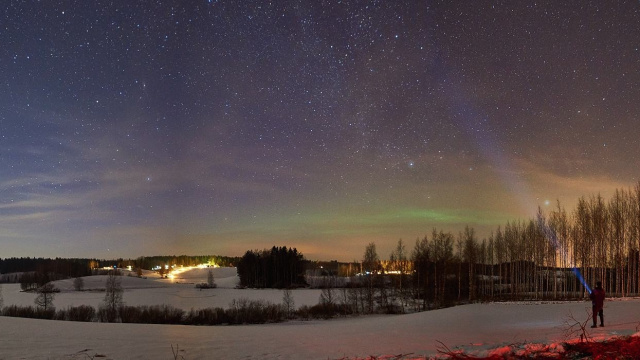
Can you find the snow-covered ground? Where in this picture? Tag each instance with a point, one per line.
(477, 328)
(179, 292)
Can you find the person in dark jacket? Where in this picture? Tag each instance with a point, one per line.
(597, 303)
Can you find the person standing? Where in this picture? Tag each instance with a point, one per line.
(597, 303)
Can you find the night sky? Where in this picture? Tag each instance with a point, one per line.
(132, 128)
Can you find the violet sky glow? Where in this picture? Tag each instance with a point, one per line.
(133, 128)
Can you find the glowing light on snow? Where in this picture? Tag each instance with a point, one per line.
(210, 264)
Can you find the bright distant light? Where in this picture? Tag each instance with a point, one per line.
(208, 265)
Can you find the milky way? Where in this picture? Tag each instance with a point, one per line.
(133, 128)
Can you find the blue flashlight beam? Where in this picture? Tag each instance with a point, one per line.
(551, 236)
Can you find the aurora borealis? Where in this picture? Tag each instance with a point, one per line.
(133, 128)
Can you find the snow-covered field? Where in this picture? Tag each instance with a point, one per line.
(179, 292)
(477, 328)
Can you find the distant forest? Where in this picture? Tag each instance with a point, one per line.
(62, 268)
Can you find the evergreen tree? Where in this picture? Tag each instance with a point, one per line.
(211, 283)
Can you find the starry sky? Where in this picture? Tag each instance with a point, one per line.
(132, 128)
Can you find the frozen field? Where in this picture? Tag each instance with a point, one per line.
(476, 328)
(179, 292)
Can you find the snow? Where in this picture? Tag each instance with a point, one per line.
(481, 329)
(179, 292)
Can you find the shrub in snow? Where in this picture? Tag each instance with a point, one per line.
(391, 308)
(208, 316)
(155, 314)
(244, 311)
(206, 286)
(29, 312)
(304, 312)
(104, 315)
(324, 310)
(84, 313)
(78, 284)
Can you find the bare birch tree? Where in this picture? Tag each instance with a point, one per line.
(113, 296)
(46, 294)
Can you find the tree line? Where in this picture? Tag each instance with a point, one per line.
(554, 255)
(45, 270)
